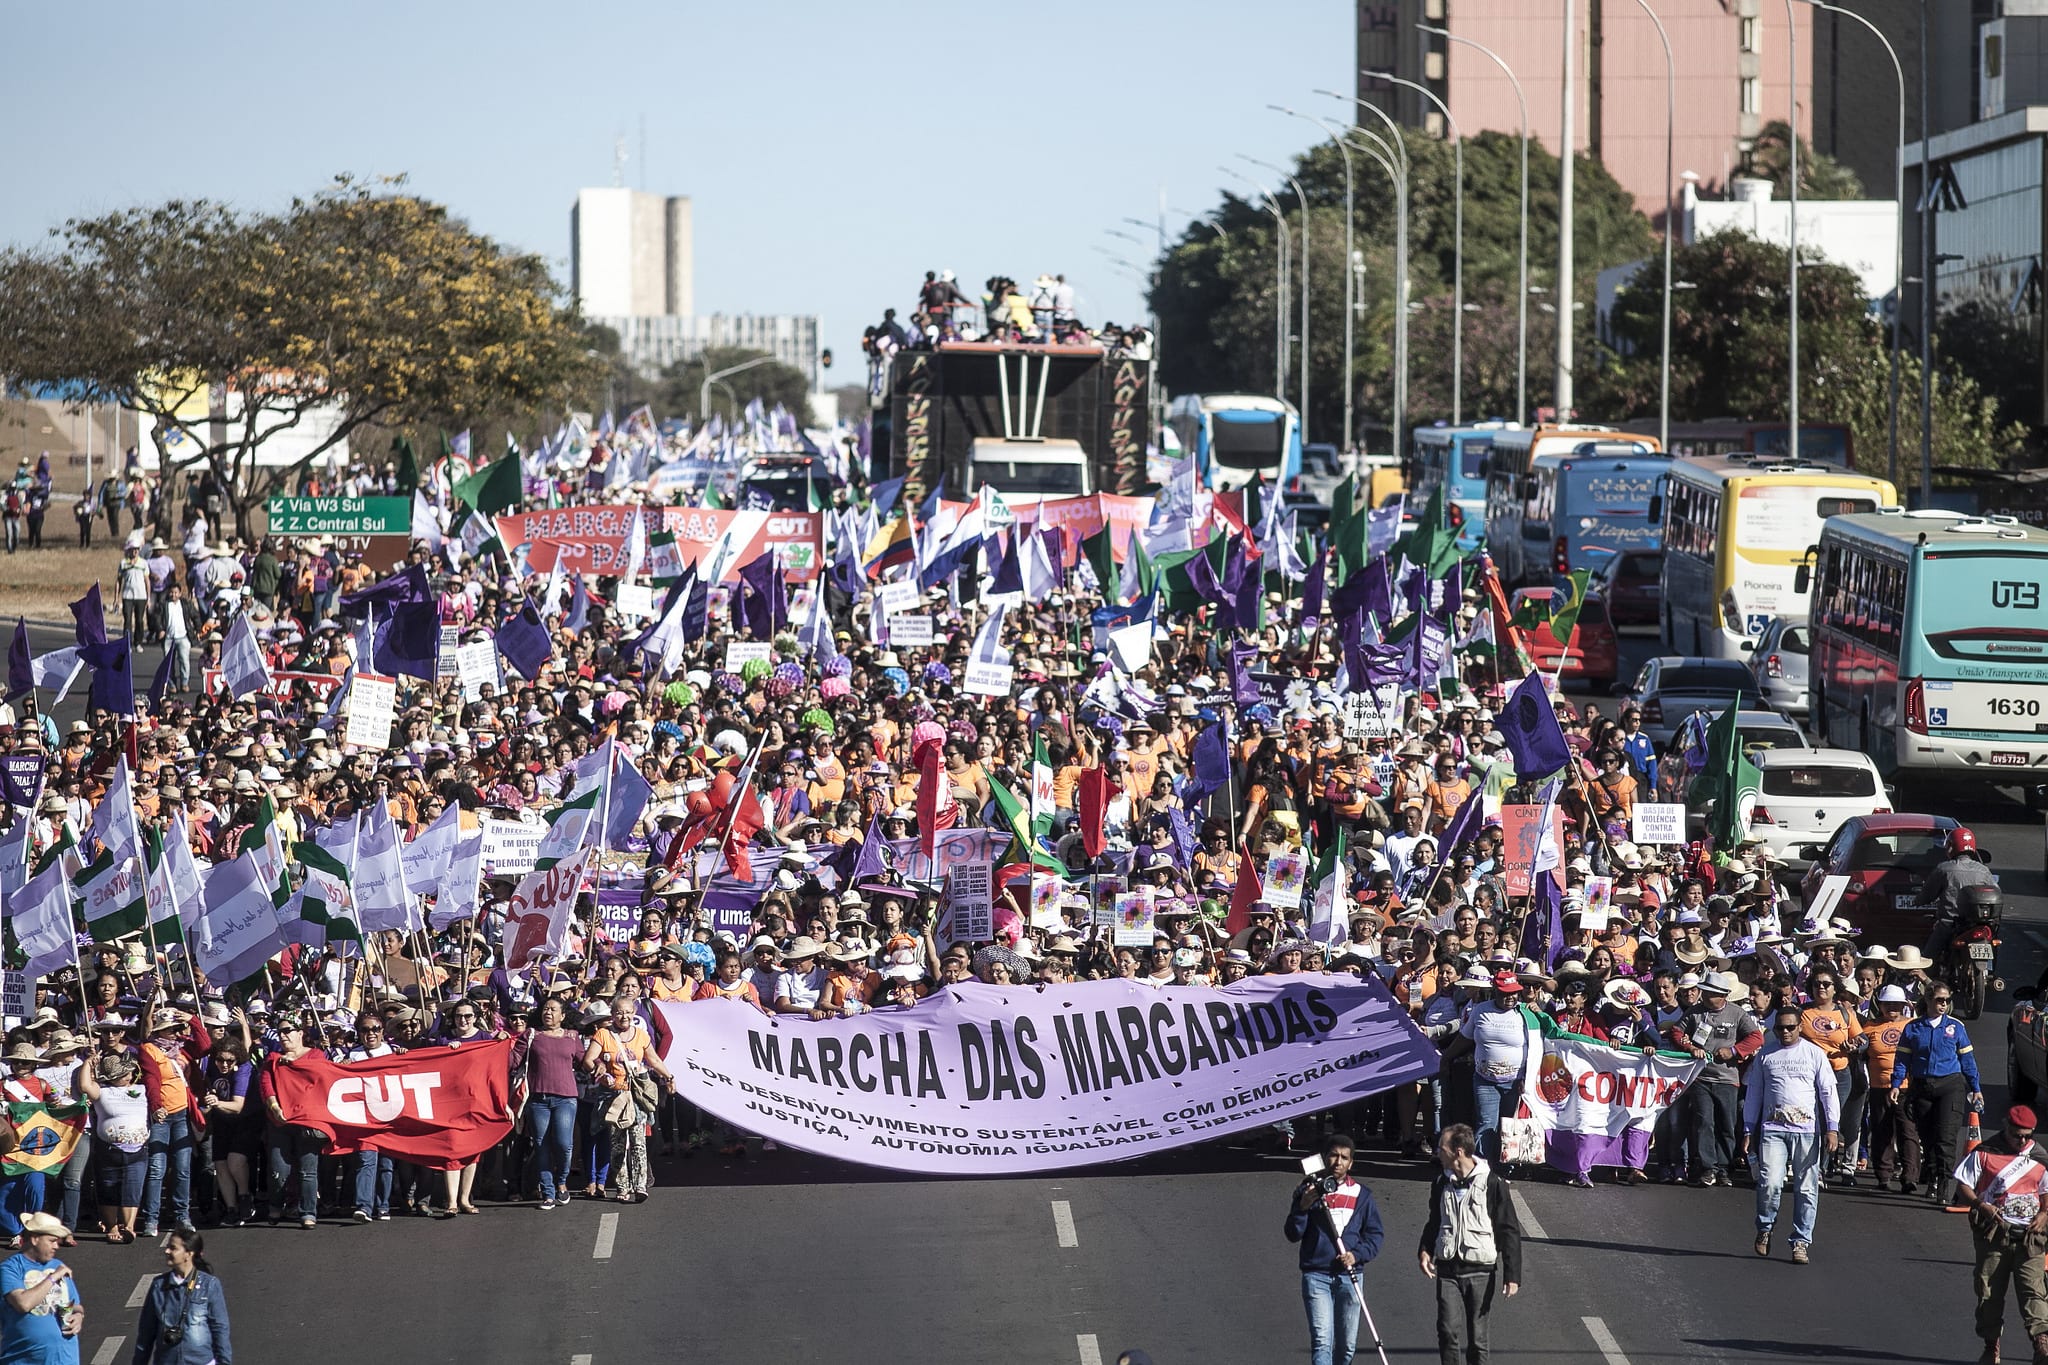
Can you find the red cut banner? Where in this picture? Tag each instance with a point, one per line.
(438, 1106)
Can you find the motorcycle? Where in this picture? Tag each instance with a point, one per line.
(1970, 964)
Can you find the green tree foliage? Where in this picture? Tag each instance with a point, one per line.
(2001, 350)
(1216, 307)
(682, 385)
(361, 306)
(1820, 175)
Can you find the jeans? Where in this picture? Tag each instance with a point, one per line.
(1776, 1154)
(20, 1194)
(1332, 1316)
(181, 663)
(294, 1152)
(117, 1177)
(373, 1181)
(1714, 1127)
(598, 1138)
(170, 1144)
(1462, 1303)
(553, 1121)
(1490, 1097)
(1852, 1089)
(74, 1181)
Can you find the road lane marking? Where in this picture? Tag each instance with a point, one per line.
(140, 1294)
(1610, 1349)
(1063, 1223)
(1091, 1354)
(109, 1349)
(1530, 1227)
(607, 1233)
(579, 1360)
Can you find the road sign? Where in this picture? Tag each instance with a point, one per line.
(340, 516)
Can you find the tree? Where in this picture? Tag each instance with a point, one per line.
(360, 306)
(1999, 349)
(1214, 291)
(1820, 175)
(682, 384)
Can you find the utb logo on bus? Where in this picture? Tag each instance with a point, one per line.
(2007, 594)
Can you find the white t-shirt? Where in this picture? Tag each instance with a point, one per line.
(800, 988)
(1499, 1040)
(1342, 1202)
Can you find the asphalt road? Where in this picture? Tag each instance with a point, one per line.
(784, 1257)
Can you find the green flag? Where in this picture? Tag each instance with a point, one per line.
(1042, 804)
(1101, 556)
(408, 465)
(1564, 607)
(1330, 921)
(1433, 544)
(713, 499)
(114, 895)
(1016, 818)
(328, 894)
(1729, 780)
(493, 488)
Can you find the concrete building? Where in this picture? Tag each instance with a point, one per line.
(1734, 74)
(630, 253)
(653, 343)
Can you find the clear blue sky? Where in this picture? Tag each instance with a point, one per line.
(834, 152)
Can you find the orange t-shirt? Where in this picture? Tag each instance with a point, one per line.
(620, 1057)
(170, 1076)
(1831, 1030)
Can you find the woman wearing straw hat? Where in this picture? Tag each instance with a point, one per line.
(112, 1084)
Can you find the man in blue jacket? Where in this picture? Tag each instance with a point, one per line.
(1339, 1231)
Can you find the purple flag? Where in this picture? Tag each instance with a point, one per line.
(764, 605)
(871, 863)
(1243, 690)
(1202, 577)
(113, 673)
(524, 641)
(1241, 587)
(410, 584)
(91, 617)
(1211, 763)
(408, 641)
(578, 614)
(21, 778)
(1548, 901)
(1530, 726)
(1465, 824)
(160, 685)
(1009, 574)
(21, 676)
(1453, 589)
(1312, 589)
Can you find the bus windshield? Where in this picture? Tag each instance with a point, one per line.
(1594, 491)
(1051, 477)
(1251, 440)
(1472, 453)
(1785, 518)
(1985, 606)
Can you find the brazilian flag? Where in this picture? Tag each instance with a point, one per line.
(41, 1136)
(1567, 596)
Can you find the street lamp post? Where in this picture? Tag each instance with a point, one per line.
(1898, 224)
(1792, 142)
(1301, 198)
(1279, 282)
(1380, 151)
(1337, 139)
(1522, 285)
(1567, 292)
(1457, 247)
(704, 390)
(1670, 223)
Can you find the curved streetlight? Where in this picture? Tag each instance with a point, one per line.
(1457, 247)
(1670, 217)
(704, 390)
(1377, 148)
(1301, 198)
(1337, 139)
(1898, 221)
(1522, 288)
(1792, 177)
(1281, 241)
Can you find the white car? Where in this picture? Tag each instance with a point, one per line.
(1806, 794)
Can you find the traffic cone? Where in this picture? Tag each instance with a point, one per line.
(1973, 1138)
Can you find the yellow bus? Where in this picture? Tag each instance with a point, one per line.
(1736, 529)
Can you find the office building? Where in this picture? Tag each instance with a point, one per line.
(652, 344)
(630, 253)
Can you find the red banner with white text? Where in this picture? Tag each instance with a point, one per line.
(592, 540)
(439, 1106)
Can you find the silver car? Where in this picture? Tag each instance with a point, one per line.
(1777, 660)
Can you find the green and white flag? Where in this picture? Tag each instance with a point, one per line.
(176, 890)
(326, 898)
(1042, 807)
(263, 846)
(1730, 781)
(1330, 919)
(572, 826)
(113, 896)
(664, 560)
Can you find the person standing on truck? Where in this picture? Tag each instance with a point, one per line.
(1062, 302)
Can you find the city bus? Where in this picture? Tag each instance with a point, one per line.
(1819, 442)
(1511, 487)
(1454, 459)
(1930, 644)
(1589, 506)
(1737, 528)
(1236, 437)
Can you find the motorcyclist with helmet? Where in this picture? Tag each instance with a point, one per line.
(1945, 885)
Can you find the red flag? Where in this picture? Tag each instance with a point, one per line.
(1247, 893)
(936, 808)
(439, 1107)
(1096, 789)
(747, 819)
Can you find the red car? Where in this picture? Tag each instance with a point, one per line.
(1886, 858)
(1593, 655)
(1631, 584)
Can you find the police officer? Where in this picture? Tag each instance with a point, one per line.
(1935, 1055)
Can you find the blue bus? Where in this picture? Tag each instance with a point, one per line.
(1236, 437)
(1930, 644)
(1454, 459)
(1590, 505)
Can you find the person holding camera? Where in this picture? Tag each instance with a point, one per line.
(1471, 1244)
(185, 1318)
(1337, 1224)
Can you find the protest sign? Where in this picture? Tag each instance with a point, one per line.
(984, 1080)
(592, 539)
(1657, 822)
(1362, 718)
(910, 630)
(372, 705)
(437, 1107)
(15, 995)
(21, 778)
(897, 597)
(634, 600)
(476, 664)
(987, 679)
(1045, 900)
(1599, 898)
(740, 653)
(1595, 1104)
(1518, 828)
(1134, 918)
(968, 911)
(1286, 872)
(444, 657)
(510, 846)
(280, 687)
(1825, 898)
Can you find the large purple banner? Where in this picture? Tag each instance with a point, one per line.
(986, 1080)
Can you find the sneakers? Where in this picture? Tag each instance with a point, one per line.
(1799, 1256)
(383, 1215)
(1703, 1180)
(547, 1204)
(1580, 1182)
(1763, 1244)
(770, 1145)
(361, 1215)
(309, 1222)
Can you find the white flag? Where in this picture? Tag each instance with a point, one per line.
(59, 669)
(538, 918)
(427, 858)
(241, 660)
(42, 919)
(379, 873)
(113, 820)
(456, 898)
(237, 930)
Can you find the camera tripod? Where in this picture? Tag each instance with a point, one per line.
(1352, 1275)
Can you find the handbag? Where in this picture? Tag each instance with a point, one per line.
(621, 1110)
(646, 1093)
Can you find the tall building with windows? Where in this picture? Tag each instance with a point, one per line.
(1735, 73)
(630, 253)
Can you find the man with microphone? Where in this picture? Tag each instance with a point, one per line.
(1338, 1226)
